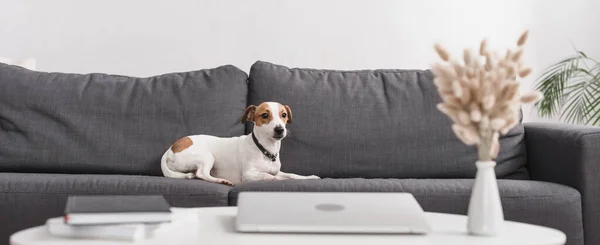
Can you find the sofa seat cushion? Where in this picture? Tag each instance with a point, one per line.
(27, 200)
(534, 202)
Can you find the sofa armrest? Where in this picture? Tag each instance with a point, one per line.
(569, 155)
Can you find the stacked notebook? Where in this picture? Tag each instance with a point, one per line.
(111, 217)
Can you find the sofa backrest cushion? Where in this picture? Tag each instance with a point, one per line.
(372, 124)
(103, 124)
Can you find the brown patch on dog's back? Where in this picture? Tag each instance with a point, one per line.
(181, 144)
(260, 110)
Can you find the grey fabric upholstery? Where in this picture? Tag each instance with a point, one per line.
(373, 124)
(110, 124)
(27, 200)
(534, 202)
(569, 155)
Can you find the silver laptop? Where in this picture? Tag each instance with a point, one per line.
(327, 212)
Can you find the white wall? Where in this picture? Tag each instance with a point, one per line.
(143, 38)
(558, 28)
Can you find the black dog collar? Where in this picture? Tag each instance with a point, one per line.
(262, 149)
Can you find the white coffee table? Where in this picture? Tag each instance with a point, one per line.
(217, 226)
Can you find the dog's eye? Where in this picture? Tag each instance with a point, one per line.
(265, 115)
(283, 115)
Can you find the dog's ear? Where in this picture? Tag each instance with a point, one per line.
(289, 114)
(249, 114)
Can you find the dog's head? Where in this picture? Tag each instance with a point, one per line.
(270, 118)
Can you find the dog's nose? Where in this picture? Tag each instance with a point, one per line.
(279, 130)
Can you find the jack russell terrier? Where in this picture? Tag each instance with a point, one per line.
(235, 160)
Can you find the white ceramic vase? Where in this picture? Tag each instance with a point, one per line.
(485, 210)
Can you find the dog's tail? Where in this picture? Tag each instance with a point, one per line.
(167, 159)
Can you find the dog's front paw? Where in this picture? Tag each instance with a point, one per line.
(313, 177)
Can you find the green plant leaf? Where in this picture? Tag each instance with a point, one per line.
(571, 89)
(552, 83)
(593, 111)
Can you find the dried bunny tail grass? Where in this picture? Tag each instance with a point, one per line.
(497, 123)
(511, 71)
(467, 57)
(519, 64)
(457, 90)
(472, 135)
(466, 135)
(442, 52)
(475, 84)
(443, 71)
(486, 87)
(508, 56)
(476, 64)
(480, 93)
(502, 63)
(524, 72)
(470, 73)
(464, 118)
(475, 112)
(488, 102)
(512, 112)
(510, 91)
(495, 59)
(503, 110)
(523, 38)
(483, 47)
(485, 122)
(489, 62)
(517, 56)
(441, 83)
(531, 97)
(459, 132)
(450, 100)
(465, 82)
(495, 145)
(501, 76)
(459, 69)
(509, 125)
(450, 111)
(465, 99)
(447, 109)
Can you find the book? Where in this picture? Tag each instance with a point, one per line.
(126, 232)
(85, 210)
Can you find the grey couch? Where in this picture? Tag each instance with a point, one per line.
(362, 131)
